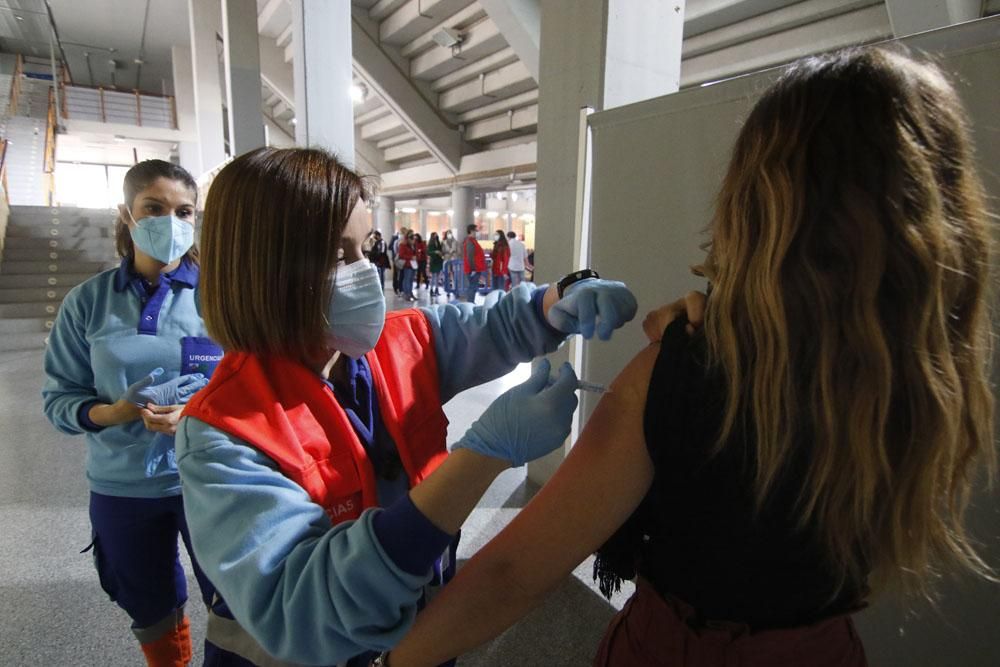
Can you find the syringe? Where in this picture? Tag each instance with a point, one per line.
(593, 387)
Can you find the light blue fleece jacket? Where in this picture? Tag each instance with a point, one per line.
(109, 334)
(309, 592)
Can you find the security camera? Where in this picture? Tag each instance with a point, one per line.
(448, 37)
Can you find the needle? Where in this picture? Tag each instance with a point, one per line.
(583, 385)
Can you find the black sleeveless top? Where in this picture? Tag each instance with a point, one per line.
(696, 535)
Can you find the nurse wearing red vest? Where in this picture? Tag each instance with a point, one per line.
(318, 488)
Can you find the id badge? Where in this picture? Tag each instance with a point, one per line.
(199, 354)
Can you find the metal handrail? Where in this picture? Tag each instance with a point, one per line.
(104, 102)
(15, 86)
(3, 170)
(50, 146)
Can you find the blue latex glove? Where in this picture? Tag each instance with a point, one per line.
(173, 392)
(528, 421)
(590, 304)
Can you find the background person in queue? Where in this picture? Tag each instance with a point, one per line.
(326, 410)
(817, 440)
(128, 349)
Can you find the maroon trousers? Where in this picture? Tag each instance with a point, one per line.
(653, 630)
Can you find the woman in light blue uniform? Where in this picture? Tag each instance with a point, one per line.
(309, 576)
(128, 349)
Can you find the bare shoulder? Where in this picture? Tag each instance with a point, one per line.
(632, 383)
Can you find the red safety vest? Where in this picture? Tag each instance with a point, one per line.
(479, 255)
(285, 410)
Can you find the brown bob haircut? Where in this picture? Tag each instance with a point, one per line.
(270, 243)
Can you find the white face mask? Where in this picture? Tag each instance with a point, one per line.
(356, 312)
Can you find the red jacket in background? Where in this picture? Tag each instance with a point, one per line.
(479, 255)
(501, 258)
(406, 252)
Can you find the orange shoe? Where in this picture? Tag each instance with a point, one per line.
(172, 649)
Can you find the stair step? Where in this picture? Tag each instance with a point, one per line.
(14, 268)
(60, 243)
(101, 219)
(43, 254)
(44, 215)
(29, 310)
(63, 231)
(42, 280)
(33, 294)
(23, 341)
(23, 325)
(61, 221)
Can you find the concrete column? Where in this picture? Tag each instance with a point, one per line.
(206, 22)
(642, 50)
(324, 112)
(462, 206)
(423, 224)
(187, 119)
(589, 59)
(241, 54)
(385, 216)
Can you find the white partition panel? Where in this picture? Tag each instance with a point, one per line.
(656, 171)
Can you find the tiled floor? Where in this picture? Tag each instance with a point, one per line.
(53, 613)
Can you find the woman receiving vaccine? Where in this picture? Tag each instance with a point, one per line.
(321, 496)
(128, 349)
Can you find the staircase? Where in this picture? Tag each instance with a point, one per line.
(26, 175)
(24, 126)
(47, 251)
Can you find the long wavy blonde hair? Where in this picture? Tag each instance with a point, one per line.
(849, 261)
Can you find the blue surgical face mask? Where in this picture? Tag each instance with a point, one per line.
(356, 312)
(164, 238)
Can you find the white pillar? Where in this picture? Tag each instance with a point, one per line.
(324, 112)
(241, 52)
(642, 50)
(205, 21)
(423, 224)
(581, 40)
(462, 206)
(187, 119)
(385, 216)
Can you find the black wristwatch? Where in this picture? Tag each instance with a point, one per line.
(574, 277)
(381, 660)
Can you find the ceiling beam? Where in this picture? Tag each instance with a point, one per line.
(911, 16)
(277, 74)
(480, 40)
(408, 151)
(394, 87)
(500, 106)
(416, 17)
(468, 16)
(369, 158)
(473, 70)
(504, 82)
(863, 26)
(520, 22)
(513, 123)
(269, 15)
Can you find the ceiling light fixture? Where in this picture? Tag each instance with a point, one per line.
(359, 93)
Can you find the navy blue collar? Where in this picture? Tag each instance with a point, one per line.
(185, 275)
